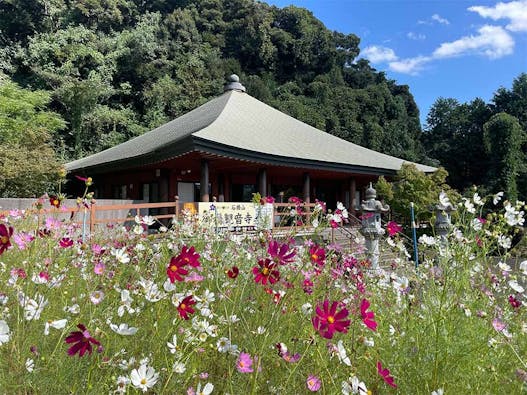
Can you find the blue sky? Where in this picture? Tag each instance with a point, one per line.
(451, 48)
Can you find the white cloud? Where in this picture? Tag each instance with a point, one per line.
(379, 54)
(415, 36)
(492, 41)
(515, 11)
(410, 66)
(438, 18)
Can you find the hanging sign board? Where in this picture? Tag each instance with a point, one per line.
(236, 217)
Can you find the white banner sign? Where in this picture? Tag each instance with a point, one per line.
(236, 217)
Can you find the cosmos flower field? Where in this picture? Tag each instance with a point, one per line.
(188, 311)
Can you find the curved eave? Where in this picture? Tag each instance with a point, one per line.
(168, 152)
(276, 160)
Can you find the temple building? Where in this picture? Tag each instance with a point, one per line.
(230, 147)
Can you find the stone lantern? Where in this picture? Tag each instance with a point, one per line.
(372, 228)
(443, 211)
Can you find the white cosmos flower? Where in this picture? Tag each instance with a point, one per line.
(179, 367)
(97, 297)
(438, 391)
(341, 353)
(516, 287)
(428, 240)
(469, 206)
(144, 377)
(30, 365)
(354, 386)
(504, 267)
(307, 308)
(122, 383)
(497, 197)
(223, 344)
(57, 324)
(4, 332)
(523, 267)
(121, 255)
(207, 390)
(32, 307)
(173, 345)
(126, 303)
(123, 329)
(477, 200)
(504, 242)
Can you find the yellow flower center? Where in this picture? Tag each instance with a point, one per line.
(55, 202)
(314, 257)
(265, 271)
(186, 259)
(331, 319)
(183, 306)
(143, 381)
(173, 268)
(4, 239)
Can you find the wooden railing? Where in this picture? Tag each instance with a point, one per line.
(89, 218)
(283, 219)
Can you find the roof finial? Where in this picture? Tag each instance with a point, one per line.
(233, 84)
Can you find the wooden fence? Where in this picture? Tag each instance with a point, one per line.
(89, 215)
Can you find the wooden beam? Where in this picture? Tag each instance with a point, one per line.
(204, 181)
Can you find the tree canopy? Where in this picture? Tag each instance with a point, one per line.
(117, 68)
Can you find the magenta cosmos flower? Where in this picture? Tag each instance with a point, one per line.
(184, 308)
(189, 256)
(5, 237)
(317, 255)
(328, 320)
(385, 374)
(82, 341)
(244, 364)
(280, 253)
(266, 272)
(393, 228)
(368, 317)
(176, 270)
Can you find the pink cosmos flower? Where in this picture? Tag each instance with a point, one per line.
(385, 374)
(22, 239)
(83, 341)
(52, 223)
(393, 228)
(99, 268)
(244, 364)
(266, 272)
(5, 236)
(327, 320)
(313, 383)
(368, 317)
(97, 249)
(280, 253)
(194, 277)
(498, 324)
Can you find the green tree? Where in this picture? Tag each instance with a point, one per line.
(413, 186)
(28, 164)
(503, 139)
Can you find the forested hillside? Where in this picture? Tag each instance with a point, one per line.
(117, 68)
